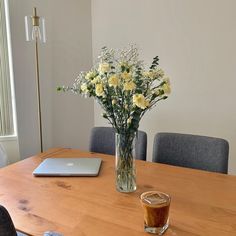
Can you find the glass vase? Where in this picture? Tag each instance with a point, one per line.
(125, 162)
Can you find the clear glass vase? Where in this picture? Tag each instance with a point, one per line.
(125, 162)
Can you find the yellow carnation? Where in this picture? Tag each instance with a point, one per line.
(139, 101)
(167, 80)
(99, 90)
(90, 75)
(113, 81)
(96, 80)
(126, 76)
(84, 88)
(103, 68)
(129, 86)
(166, 88)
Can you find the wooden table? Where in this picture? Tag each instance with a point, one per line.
(203, 203)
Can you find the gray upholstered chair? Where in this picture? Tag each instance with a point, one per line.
(193, 151)
(102, 140)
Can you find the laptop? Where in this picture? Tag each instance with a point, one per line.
(69, 167)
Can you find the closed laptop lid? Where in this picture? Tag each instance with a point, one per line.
(69, 167)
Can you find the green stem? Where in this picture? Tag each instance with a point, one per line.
(125, 168)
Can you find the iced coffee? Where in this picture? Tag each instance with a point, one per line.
(156, 211)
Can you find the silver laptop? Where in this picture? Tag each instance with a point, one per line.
(69, 167)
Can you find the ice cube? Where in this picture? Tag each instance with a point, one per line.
(155, 199)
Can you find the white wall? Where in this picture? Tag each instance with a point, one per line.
(195, 41)
(73, 116)
(67, 119)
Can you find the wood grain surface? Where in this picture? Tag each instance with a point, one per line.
(203, 203)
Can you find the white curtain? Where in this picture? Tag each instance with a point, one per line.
(6, 115)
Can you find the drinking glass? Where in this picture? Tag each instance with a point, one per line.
(156, 211)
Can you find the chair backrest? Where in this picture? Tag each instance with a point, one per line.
(193, 151)
(7, 227)
(102, 140)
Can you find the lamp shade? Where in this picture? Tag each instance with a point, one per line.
(35, 28)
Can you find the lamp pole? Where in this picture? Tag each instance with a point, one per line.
(38, 95)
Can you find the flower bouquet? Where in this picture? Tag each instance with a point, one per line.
(125, 90)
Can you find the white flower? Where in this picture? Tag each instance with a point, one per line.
(90, 75)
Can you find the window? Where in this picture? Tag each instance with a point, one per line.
(6, 101)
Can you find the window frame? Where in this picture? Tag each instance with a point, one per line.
(11, 74)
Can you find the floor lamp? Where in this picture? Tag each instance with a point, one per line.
(35, 31)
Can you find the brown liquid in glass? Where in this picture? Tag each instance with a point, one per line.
(156, 211)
